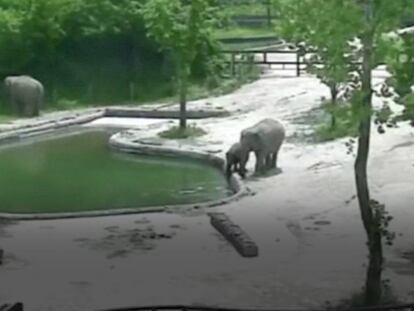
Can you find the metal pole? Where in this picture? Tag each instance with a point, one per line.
(269, 13)
(297, 64)
(232, 65)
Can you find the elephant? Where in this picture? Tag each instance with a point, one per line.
(233, 158)
(265, 139)
(25, 95)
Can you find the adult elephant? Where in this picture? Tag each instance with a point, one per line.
(25, 95)
(265, 139)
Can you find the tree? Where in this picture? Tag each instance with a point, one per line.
(353, 28)
(182, 28)
(335, 53)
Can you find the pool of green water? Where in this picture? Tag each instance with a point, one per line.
(78, 172)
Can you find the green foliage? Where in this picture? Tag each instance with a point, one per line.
(94, 51)
(322, 27)
(408, 114)
(345, 123)
(176, 132)
(400, 63)
(383, 218)
(66, 104)
(185, 30)
(331, 29)
(181, 27)
(347, 118)
(249, 7)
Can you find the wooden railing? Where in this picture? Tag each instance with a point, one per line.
(264, 60)
(261, 57)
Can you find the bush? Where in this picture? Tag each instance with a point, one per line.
(408, 112)
(345, 125)
(68, 104)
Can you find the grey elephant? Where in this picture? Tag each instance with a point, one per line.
(265, 139)
(233, 159)
(25, 95)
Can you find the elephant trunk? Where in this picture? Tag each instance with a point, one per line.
(229, 163)
(244, 157)
(228, 170)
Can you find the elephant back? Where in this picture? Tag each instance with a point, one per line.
(269, 134)
(24, 85)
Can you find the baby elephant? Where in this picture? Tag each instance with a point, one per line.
(233, 158)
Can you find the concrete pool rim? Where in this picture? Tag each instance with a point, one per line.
(121, 144)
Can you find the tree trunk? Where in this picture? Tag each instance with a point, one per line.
(371, 224)
(373, 289)
(334, 95)
(183, 100)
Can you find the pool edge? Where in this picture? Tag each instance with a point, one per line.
(127, 146)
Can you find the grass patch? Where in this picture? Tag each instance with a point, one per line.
(345, 124)
(7, 118)
(342, 128)
(176, 132)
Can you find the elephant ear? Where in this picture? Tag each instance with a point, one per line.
(252, 140)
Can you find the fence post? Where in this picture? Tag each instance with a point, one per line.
(232, 64)
(297, 64)
(269, 13)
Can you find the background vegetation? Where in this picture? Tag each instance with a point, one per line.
(88, 52)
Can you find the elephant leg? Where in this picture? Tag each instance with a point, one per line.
(35, 109)
(26, 109)
(20, 108)
(16, 105)
(273, 160)
(275, 154)
(260, 159)
(268, 161)
(29, 109)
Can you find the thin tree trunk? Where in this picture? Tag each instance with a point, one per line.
(334, 95)
(373, 291)
(371, 225)
(183, 101)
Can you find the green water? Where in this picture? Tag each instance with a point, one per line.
(78, 172)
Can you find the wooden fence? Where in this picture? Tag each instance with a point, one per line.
(264, 57)
(236, 57)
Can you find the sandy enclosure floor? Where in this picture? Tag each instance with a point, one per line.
(304, 220)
